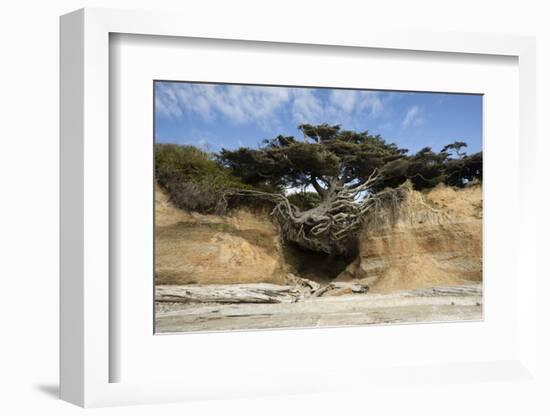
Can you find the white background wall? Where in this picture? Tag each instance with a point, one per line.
(29, 56)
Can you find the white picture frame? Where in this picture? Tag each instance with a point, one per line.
(86, 355)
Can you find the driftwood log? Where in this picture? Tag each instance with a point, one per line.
(235, 293)
(341, 288)
(297, 290)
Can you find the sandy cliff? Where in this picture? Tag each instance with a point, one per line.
(434, 238)
(192, 248)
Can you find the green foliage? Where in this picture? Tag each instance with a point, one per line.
(173, 162)
(456, 146)
(325, 153)
(328, 153)
(305, 200)
(325, 156)
(192, 177)
(426, 169)
(467, 168)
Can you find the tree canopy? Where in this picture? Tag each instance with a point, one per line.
(326, 154)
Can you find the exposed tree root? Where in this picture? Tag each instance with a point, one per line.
(335, 222)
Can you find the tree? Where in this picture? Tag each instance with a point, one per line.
(426, 169)
(468, 168)
(342, 167)
(336, 178)
(456, 146)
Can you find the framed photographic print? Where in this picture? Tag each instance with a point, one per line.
(232, 204)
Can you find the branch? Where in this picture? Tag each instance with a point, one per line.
(317, 187)
(362, 186)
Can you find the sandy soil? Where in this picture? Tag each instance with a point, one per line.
(434, 239)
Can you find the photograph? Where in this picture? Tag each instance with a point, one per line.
(281, 206)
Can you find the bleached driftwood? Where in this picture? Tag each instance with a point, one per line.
(337, 288)
(295, 290)
(235, 293)
(254, 292)
(305, 286)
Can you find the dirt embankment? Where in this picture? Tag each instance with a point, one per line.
(193, 248)
(434, 238)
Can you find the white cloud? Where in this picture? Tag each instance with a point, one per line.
(240, 104)
(166, 102)
(341, 107)
(343, 99)
(413, 117)
(306, 107)
(353, 101)
(372, 101)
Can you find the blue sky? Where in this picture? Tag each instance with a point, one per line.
(215, 116)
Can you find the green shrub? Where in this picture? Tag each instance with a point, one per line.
(192, 178)
(181, 162)
(195, 181)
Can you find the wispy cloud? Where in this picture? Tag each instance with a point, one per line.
(339, 107)
(266, 106)
(307, 107)
(237, 104)
(413, 117)
(353, 101)
(214, 116)
(166, 102)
